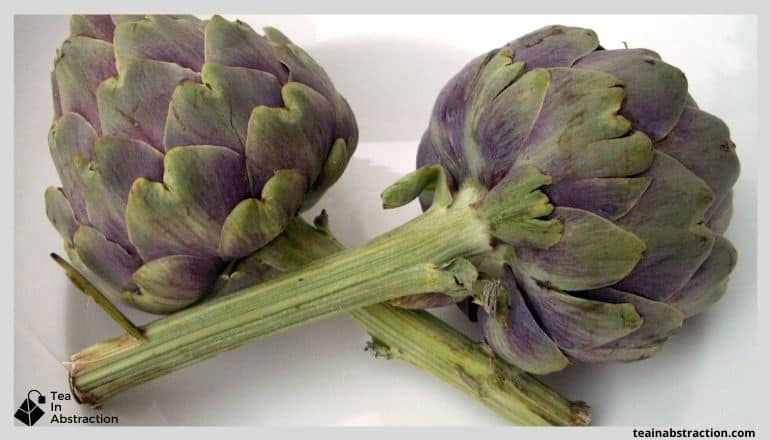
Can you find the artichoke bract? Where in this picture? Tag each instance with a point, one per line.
(624, 188)
(182, 145)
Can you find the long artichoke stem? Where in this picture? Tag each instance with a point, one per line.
(425, 341)
(407, 260)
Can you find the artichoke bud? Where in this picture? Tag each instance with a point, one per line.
(607, 184)
(182, 145)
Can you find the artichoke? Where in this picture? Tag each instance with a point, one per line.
(184, 144)
(577, 195)
(631, 181)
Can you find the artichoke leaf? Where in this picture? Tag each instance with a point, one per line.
(160, 38)
(592, 252)
(135, 103)
(59, 212)
(517, 337)
(106, 180)
(575, 323)
(656, 92)
(71, 136)
(447, 123)
(505, 122)
(99, 27)
(623, 156)
(255, 222)
(515, 209)
(345, 124)
(426, 156)
(580, 108)
(701, 142)
(332, 169)
(236, 44)
(170, 283)
(217, 112)
(184, 214)
(660, 321)
(669, 219)
(297, 136)
(709, 282)
(106, 259)
(719, 214)
(554, 46)
(610, 198)
(301, 66)
(409, 187)
(81, 65)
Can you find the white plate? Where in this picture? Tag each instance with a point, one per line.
(391, 68)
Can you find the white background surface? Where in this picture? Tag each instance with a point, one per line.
(391, 68)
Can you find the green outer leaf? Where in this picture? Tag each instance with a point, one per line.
(669, 219)
(545, 358)
(332, 169)
(92, 26)
(298, 245)
(624, 156)
(59, 212)
(514, 209)
(609, 197)
(576, 323)
(236, 44)
(254, 222)
(656, 92)
(106, 180)
(660, 321)
(275, 35)
(554, 45)
(501, 124)
(580, 108)
(497, 74)
(302, 67)
(135, 103)
(518, 338)
(593, 252)
(69, 137)
(171, 283)
(409, 187)
(710, 281)
(184, 213)
(161, 38)
(217, 112)
(80, 67)
(297, 136)
(105, 259)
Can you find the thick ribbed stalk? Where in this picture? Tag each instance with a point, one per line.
(425, 341)
(407, 260)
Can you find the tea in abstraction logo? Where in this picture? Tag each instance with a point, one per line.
(57, 410)
(29, 413)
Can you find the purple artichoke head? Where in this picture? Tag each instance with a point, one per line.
(609, 192)
(183, 144)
